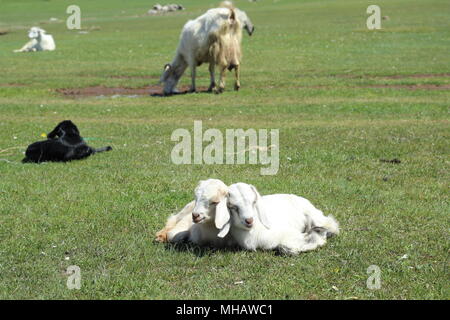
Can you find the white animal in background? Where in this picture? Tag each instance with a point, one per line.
(157, 8)
(196, 222)
(214, 38)
(285, 222)
(40, 41)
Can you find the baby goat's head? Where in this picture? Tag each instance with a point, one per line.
(210, 201)
(65, 127)
(244, 208)
(35, 32)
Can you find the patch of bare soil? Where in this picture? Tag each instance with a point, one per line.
(98, 91)
(419, 76)
(133, 77)
(395, 161)
(397, 76)
(408, 86)
(3, 32)
(12, 85)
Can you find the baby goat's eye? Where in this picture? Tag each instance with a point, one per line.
(234, 209)
(215, 203)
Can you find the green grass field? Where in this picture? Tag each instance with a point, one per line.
(342, 97)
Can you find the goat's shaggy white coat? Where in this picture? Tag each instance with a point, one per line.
(40, 41)
(214, 38)
(210, 201)
(281, 221)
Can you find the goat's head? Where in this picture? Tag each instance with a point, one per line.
(64, 127)
(210, 201)
(35, 32)
(245, 21)
(245, 207)
(170, 78)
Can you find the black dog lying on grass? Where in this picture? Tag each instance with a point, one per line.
(63, 144)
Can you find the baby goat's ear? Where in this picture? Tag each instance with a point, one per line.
(222, 220)
(57, 132)
(224, 231)
(262, 213)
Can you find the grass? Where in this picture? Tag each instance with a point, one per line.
(309, 71)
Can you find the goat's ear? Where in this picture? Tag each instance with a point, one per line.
(224, 231)
(222, 214)
(262, 212)
(55, 132)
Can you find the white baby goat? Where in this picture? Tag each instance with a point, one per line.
(40, 41)
(196, 221)
(285, 222)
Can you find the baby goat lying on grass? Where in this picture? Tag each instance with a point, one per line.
(64, 143)
(196, 222)
(40, 41)
(224, 216)
(285, 222)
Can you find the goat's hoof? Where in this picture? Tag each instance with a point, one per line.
(161, 236)
(219, 90)
(237, 87)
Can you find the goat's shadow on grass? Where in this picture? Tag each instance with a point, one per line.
(201, 251)
(198, 251)
(184, 92)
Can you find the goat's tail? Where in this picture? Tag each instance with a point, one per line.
(108, 148)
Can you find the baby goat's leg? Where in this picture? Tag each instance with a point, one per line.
(177, 223)
(304, 242)
(29, 46)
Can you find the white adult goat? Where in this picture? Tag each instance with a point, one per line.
(285, 222)
(214, 38)
(196, 221)
(40, 41)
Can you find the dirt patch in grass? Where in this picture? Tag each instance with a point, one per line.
(156, 91)
(395, 161)
(419, 76)
(408, 86)
(396, 76)
(100, 91)
(134, 77)
(374, 86)
(12, 85)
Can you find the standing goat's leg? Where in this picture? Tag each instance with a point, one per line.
(212, 76)
(237, 73)
(193, 74)
(221, 87)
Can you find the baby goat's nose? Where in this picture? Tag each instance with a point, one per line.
(195, 215)
(249, 221)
